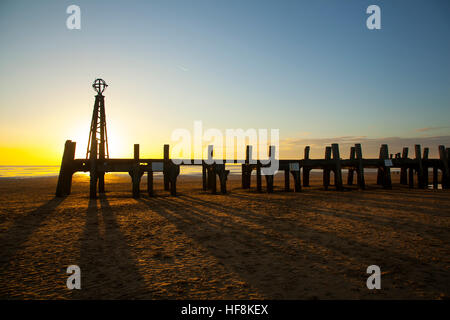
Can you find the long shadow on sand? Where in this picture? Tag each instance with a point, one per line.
(265, 262)
(263, 256)
(22, 229)
(108, 269)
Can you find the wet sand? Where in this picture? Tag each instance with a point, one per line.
(311, 245)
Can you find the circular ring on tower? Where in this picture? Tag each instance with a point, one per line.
(99, 85)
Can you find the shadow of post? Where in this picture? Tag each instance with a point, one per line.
(22, 229)
(108, 268)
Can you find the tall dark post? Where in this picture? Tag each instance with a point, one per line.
(351, 170)
(426, 152)
(97, 149)
(403, 170)
(360, 170)
(66, 171)
(326, 171)
(136, 173)
(306, 170)
(420, 175)
(337, 166)
(166, 167)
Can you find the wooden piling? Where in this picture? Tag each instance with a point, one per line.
(64, 185)
(269, 177)
(258, 177)
(135, 173)
(306, 170)
(286, 180)
(150, 181)
(386, 170)
(360, 169)
(419, 169)
(380, 169)
(351, 170)
(403, 170)
(425, 167)
(246, 170)
(326, 171)
(166, 167)
(337, 167)
(444, 167)
(435, 178)
(204, 176)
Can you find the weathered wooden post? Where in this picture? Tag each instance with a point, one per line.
(135, 173)
(212, 179)
(380, 169)
(306, 170)
(385, 170)
(337, 167)
(420, 175)
(286, 180)
(64, 185)
(360, 169)
(326, 170)
(404, 169)
(246, 169)
(174, 171)
(166, 167)
(435, 177)
(269, 177)
(445, 167)
(150, 179)
(258, 176)
(426, 181)
(351, 170)
(204, 176)
(294, 168)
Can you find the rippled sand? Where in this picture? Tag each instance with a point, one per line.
(244, 245)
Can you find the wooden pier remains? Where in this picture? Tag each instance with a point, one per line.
(413, 171)
(98, 163)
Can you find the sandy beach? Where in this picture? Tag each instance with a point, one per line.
(245, 245)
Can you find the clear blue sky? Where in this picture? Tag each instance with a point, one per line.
(310, 68)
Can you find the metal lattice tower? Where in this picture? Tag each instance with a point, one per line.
(98, 137)
(97, 148)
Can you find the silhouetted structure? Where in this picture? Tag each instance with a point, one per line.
(97, 162)
(97, 148)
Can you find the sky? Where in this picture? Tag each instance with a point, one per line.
(311, 69)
